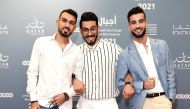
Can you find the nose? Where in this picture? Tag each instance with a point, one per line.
(67, 24)
(137, 25)
(89, 33)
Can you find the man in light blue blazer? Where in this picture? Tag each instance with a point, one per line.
(150, 64)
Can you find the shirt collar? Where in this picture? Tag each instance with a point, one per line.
(52, 38)
(94, 46)
(137, 44)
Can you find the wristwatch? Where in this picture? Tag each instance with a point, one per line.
(33, 101)
(73, 76)
(66, 96)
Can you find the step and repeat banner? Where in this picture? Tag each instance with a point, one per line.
(22, 21)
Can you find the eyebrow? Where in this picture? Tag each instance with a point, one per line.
(137, 21)
(90, 27)
(67, 20)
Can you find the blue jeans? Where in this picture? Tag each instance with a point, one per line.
(54, 107)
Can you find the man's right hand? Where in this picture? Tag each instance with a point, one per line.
(35, 105)
(149, 83)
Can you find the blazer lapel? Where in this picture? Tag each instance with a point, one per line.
(135, 55)
(155, 51)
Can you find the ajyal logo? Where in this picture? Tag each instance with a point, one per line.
(108, 26)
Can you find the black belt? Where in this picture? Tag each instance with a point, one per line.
(152, 95)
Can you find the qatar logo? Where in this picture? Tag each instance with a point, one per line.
(182, 62)
(4, 61)
(35, 28)
(3, 30)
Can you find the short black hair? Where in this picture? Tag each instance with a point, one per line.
(88, 16)
(70, 11)
(135, 10)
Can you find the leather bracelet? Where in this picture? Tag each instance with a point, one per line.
(33, 101)
(66, 96)
(131, 83)
(127, 83)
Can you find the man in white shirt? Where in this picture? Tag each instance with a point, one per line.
(53, 61)
(150, 63)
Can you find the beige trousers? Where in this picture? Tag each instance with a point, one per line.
(160, 102)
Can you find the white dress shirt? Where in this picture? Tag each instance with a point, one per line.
(148, 61)
(50, 70)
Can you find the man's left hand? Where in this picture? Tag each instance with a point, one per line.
(128, 91)
(58, 99)
(78, 86)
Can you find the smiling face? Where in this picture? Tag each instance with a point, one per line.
(66, 24)
(137, 25)
(89, 31)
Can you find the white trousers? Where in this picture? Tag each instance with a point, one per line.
(97, 104)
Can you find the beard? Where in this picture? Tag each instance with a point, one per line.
(90, 42)
(64, 33)
(138, 36)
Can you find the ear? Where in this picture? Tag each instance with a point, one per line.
(75, 27)
(80, 31)
(146, 24)
(98, 29)
(129, 28)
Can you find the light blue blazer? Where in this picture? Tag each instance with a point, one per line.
(130, 60)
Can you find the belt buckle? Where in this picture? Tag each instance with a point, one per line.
(152, 94)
